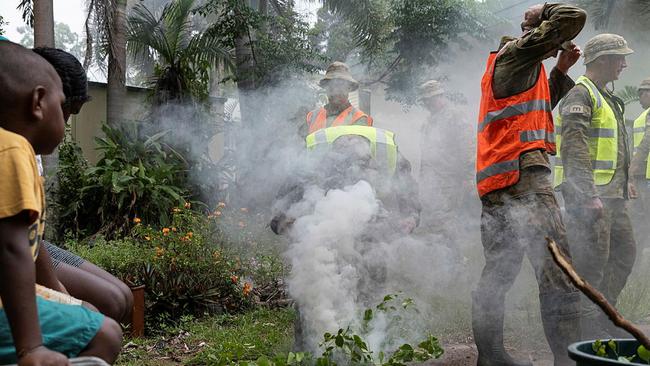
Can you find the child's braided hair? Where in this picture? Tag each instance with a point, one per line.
(72, 74)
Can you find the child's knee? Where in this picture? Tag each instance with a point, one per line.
(108, 340)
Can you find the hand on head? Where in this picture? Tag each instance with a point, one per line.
(569, 55)
(532, 17)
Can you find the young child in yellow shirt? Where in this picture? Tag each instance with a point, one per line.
(38, 326)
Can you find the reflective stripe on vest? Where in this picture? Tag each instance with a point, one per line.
(317, 119)
(508, 127)
(382, 142)
(639, 133)
(603, 138)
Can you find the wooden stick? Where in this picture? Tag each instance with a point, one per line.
(595, 295)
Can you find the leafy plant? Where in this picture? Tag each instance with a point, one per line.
(183, 270)
(628, 94)
(350, 348)
(136, 176)
(609, 349)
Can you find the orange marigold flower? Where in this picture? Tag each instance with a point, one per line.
(234, 279)
(165, 230)
(173, 229)
(243, 209)
(159, 252)
(247, 289)
(188, 205)
(137, 220)
(189, 235)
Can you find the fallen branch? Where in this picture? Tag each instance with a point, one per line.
(595, 295)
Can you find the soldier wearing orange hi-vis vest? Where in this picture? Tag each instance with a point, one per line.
(338, 82)
(519, 209)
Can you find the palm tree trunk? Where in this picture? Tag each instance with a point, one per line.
(43, 23)
(245, 58)
(44, 37)
(116, 83)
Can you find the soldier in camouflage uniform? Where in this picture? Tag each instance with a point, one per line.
(639, 168)
(446, 179)
(516, 219)
(593, 176)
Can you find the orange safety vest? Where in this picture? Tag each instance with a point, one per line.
(317, 120)
(508, 127)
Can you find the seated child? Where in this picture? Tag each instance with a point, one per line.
(37, 325)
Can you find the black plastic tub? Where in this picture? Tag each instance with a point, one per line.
(583, 354)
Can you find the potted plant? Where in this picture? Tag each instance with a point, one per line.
(611, 352)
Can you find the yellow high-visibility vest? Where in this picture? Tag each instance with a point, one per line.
(603, 138)
(382, 142)
(639, 132)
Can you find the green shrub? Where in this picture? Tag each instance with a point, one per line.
(136, 176)
(185, 272)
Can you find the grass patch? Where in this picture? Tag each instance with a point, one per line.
(217, 340)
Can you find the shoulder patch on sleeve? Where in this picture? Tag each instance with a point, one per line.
(576, 109)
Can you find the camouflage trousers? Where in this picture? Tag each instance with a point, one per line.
(514, 224)
(640, 213)
(604, 252)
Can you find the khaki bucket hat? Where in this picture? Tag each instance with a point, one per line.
(339, 70)
(645, 85)
(605, 44)
(430, 89)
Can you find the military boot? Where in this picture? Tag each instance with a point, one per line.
(487, 325)
(561, 321)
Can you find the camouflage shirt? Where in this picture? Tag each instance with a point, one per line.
(576, 110)
(517, 69)
(639, 162)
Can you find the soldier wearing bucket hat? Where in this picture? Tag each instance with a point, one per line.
(446, 164)
(338, 82)
(640, 167)
(595, 181)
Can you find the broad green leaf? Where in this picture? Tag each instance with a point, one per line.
(643, 353)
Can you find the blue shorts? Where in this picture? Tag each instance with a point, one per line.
(65, 328)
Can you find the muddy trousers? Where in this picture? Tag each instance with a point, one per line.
(510, 229)
(604, 252)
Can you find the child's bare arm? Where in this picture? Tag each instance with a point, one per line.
(17, 278)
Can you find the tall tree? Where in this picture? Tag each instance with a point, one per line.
(106, 33)
(116, 81)
(43, 23)
(183, 56)
(400, 42)
(629, 17)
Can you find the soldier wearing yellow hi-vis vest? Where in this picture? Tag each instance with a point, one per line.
(346, 155)
(640, 168)
(592, 171)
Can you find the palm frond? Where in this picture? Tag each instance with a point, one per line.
(600, 11)
(368, 19)
(27, 8)
(145, 34)
(176, 20)
(208, 48)
(629, 94)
